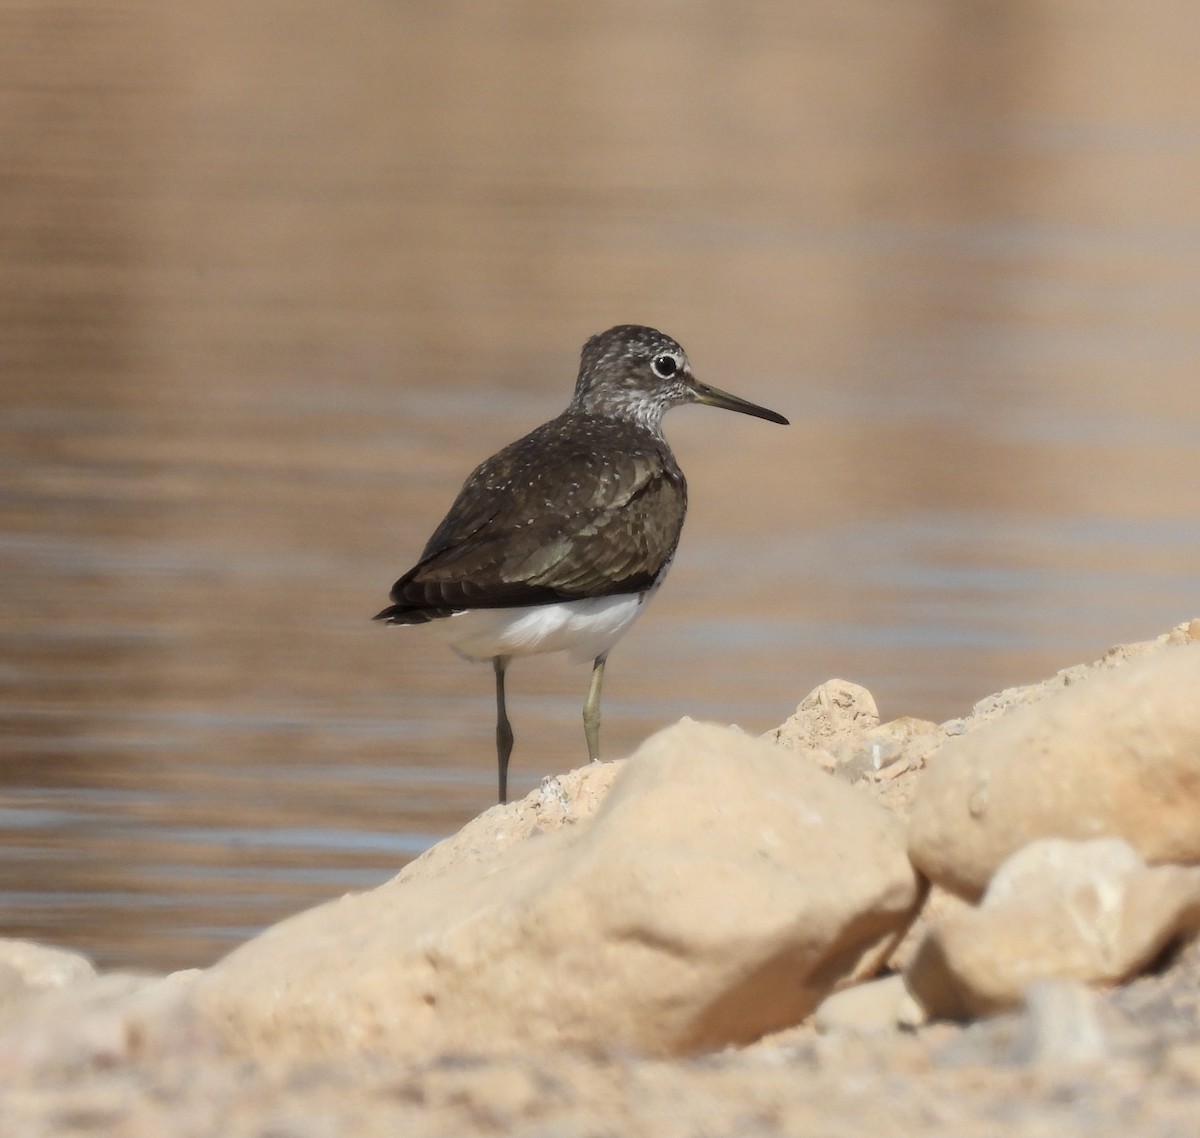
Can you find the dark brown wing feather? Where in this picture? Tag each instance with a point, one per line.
(581, 507)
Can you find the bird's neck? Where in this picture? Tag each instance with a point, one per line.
(634, 409)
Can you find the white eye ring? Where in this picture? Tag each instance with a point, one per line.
(664, 366)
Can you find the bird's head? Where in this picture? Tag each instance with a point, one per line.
(638, 373)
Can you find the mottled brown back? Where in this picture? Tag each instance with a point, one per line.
(581, 507)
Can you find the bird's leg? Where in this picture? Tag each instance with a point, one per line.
(591, 710)
(504, 735)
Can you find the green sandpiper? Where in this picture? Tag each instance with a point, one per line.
(556, 543)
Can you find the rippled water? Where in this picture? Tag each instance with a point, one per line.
(278, 278)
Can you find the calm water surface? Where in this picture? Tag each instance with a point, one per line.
(277, 277)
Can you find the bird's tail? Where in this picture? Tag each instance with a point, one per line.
(406, 614)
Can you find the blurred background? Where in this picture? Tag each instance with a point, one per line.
(276, 276)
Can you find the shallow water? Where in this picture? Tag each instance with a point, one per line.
(278, 278)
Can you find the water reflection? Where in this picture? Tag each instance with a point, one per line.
(276, 280)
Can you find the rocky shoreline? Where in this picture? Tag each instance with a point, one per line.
(982, 926)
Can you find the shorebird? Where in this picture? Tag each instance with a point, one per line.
(556, 543)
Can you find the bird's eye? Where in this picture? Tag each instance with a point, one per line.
(665, 366)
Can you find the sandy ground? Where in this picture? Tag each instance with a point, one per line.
(1071, 1061)
(983, 1079)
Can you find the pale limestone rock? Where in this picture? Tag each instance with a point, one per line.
(994, 706)
(939, 904)
(837, 725)
(1117, 753)
(722, 889)
(559, 801)
(45, 966)
(836, 708)
(103, 1020)
(28, 969)
(876, 1006)
(887, 761)
(1088, 911)
(1064, 1024)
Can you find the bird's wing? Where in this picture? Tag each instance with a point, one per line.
(547, 520)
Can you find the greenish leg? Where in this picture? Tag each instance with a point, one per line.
(591, 710)
(504, 735)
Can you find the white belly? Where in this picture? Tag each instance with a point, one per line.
(586, 629)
